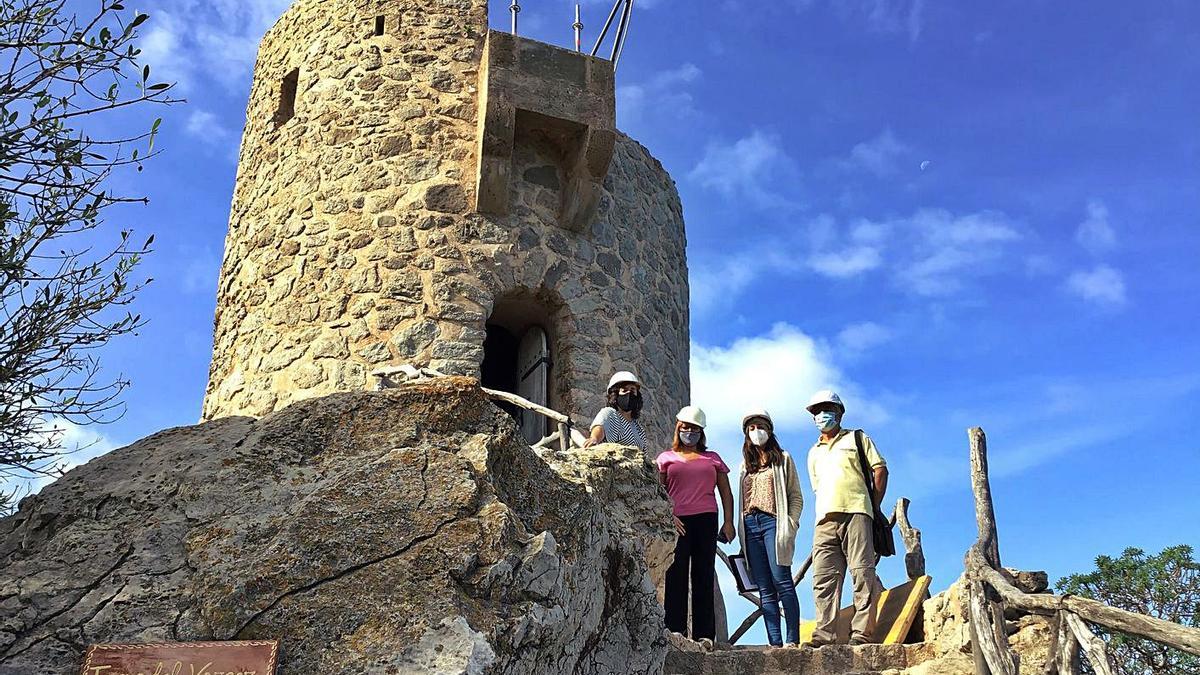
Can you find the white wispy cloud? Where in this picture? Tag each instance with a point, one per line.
(189, 40)
(207, 127)
(1095, 234)
(945, 250)
(878, 16)
(665, 91)
(880, 155)
(862, 336)
(846, 263)
(754, 168)
(1102, 286)
(79, 444)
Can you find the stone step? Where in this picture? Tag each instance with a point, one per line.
(829, 660)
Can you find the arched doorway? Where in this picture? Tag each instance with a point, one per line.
(518, 358)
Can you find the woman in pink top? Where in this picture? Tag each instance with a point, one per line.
(690, 473)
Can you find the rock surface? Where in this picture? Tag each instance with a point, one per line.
(391, 532)
(945, 623)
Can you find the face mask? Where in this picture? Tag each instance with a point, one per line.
(629, 402)
(689, 437)
(826, 421)
(759, 437)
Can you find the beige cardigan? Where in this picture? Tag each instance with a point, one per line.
(789, 502)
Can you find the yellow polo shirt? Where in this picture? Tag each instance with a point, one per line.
(836, 475)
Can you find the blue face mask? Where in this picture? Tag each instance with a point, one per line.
(689, 438)
(826, 421)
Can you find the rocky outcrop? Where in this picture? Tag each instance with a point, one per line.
(388, 532)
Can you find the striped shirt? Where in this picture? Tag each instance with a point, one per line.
(619, 430)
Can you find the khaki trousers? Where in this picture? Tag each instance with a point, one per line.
(844, 539)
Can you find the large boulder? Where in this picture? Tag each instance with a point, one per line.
(402, 531)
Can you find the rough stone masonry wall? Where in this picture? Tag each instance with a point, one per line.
(351, 244)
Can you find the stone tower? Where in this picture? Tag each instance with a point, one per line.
(414, 189)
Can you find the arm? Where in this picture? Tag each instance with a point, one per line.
(726, 505)
(597, 436)
(881, 480)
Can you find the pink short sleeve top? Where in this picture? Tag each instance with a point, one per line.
(691, 483)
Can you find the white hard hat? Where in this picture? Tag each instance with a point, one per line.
(758, 412)
(825, 396)
(692, 415)
(623, 376)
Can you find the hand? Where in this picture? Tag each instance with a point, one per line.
(729, 531)
(679, 526)
(589, 442)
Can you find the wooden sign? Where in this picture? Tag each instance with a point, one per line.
(895, 613)
(246, 657)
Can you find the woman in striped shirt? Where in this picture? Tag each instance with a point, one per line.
(618, 421)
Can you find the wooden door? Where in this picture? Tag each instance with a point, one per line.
(533, 381)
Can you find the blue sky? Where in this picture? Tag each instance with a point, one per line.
(955, 214)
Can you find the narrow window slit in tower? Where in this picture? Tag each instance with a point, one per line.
(378, 26)
(287, 97)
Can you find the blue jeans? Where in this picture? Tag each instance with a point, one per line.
(774, 581)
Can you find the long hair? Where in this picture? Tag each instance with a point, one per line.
(750, 453)
(676, 445)
(611, 401)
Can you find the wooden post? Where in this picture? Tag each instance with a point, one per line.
(988, 636)
(1093, 647)
(1068, 648)
(914, 554)
(985, 514)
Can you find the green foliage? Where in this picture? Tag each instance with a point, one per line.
(65, 280)
(1166, 586)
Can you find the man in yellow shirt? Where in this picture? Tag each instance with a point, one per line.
(843, 536)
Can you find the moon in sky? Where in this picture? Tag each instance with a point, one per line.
(925, 165)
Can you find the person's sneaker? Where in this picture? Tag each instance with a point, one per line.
(859, 640)
(817, 644)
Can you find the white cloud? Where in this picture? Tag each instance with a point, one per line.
(216, 39)
(79, 444)
(778, 371)
(751, 168)
(662, 92)
(862, 336)
(1102, 286)
(1096, 234)
(945, 250)
(846, 263)
(205, 126)
(880, 16)
(880, 155)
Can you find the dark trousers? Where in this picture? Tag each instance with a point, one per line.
(695, 552)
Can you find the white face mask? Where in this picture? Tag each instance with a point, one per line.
(759, 437)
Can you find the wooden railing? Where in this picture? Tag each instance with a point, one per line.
(990, 590)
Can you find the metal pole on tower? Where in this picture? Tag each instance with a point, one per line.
(578, 26)
(607, 24)
(515, 8)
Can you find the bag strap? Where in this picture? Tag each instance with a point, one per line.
(862, 465)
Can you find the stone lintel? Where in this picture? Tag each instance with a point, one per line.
(567, 95)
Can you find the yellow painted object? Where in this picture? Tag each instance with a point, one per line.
(894, 613)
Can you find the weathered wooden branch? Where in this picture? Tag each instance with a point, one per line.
(1068, 648)
(989, 636)
(1051, 665)
(522, 402)
(1093, 647)
(1112, 618)
(914, 554)
(985, 514)
(990, 641)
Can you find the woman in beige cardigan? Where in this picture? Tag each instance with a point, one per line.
(770, 502)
